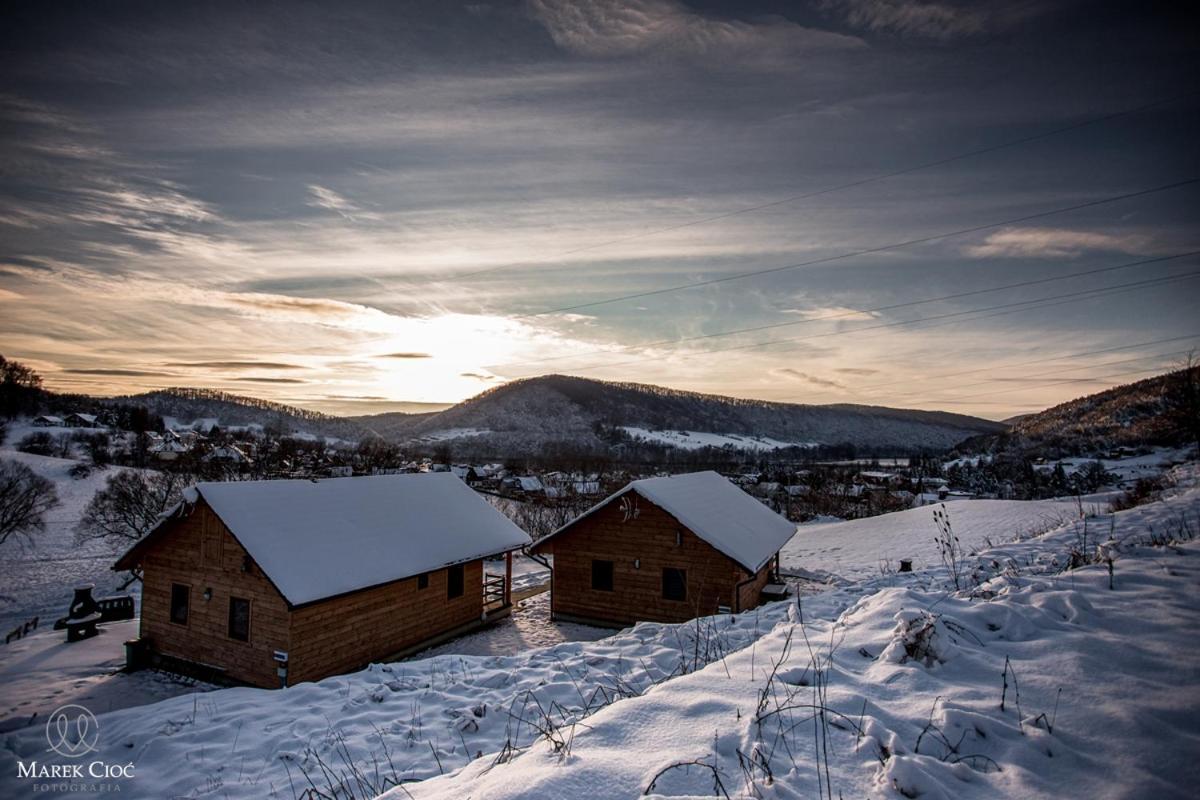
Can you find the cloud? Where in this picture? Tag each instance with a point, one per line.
(929, 20)
(831, 312)
(856, 371)
(8, 295)
(616, 28)
(233, 365)
(1053, 243)
(824, 383)
(406, 355)
(118, 372)
(323, 197)
(270, 380)
(479, 376)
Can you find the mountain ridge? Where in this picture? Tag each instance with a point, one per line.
(585, 411)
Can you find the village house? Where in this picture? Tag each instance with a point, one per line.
(273, 583)
(665, 549)
(77, 420)
(48, 421)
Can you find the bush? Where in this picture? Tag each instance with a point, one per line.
(39, 443)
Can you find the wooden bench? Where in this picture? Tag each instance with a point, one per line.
(83, 627)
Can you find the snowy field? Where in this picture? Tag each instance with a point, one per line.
(37, 576)
(694, 440)
(908, 679)
(858, 549)
(908, 676)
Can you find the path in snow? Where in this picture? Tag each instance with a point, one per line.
(42, 671)
(528, 627)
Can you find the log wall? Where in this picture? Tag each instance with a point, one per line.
(640, 548)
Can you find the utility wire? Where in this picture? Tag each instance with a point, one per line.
(1035, 376)
(1095, 120)
(1068, 296)
(866, 251)
(1066, 357)
(850, 313)
(1097, 379)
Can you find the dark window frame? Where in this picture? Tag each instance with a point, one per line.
(230, 630)
(678, 580)
(423, 581)
(456, 582)
(187, 604)
(604, 566)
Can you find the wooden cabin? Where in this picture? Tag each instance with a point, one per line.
(272, 583)
(667, 550)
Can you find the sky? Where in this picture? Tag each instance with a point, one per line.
(358, 206)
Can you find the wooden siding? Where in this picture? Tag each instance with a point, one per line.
(348, 632)
(650, 540)
(199, 552)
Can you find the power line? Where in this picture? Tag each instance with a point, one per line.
(1096, 120)
(1037, 375)
(1067, 296)
(863, 252)
(855, 312)
(1098, 379)
(1066, 357)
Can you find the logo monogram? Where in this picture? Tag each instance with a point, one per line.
(72, 731)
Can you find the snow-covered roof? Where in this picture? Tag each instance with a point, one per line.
(717, 511)
(319, 539)
(84, 417)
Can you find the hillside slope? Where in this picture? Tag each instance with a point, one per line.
(525, 415)
(239, 411)
(1159, 411)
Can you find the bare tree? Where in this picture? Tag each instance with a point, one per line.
(130, 504)
(25, 497)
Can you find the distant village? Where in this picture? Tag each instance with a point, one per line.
(801, 491)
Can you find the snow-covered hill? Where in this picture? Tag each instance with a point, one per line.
(37, 576)
(525, 416)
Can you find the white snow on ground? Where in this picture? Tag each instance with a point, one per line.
(1126, 470)
(694, 440)
(1126, 724)
(37, 577)
(528, 627)
(42, 671)
(451, 433)
(431, 715)
(908, 679)
(857, 549)
(526, 572)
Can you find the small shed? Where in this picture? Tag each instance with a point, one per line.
(277, 582)
(665, 549)
(48, 421)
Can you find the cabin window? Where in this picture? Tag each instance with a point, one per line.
(674, 584)
(423, 580)
(239, 619)
(602, 575)
(454, 581)
(180, 595)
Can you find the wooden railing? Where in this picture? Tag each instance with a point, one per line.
(493, 589)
